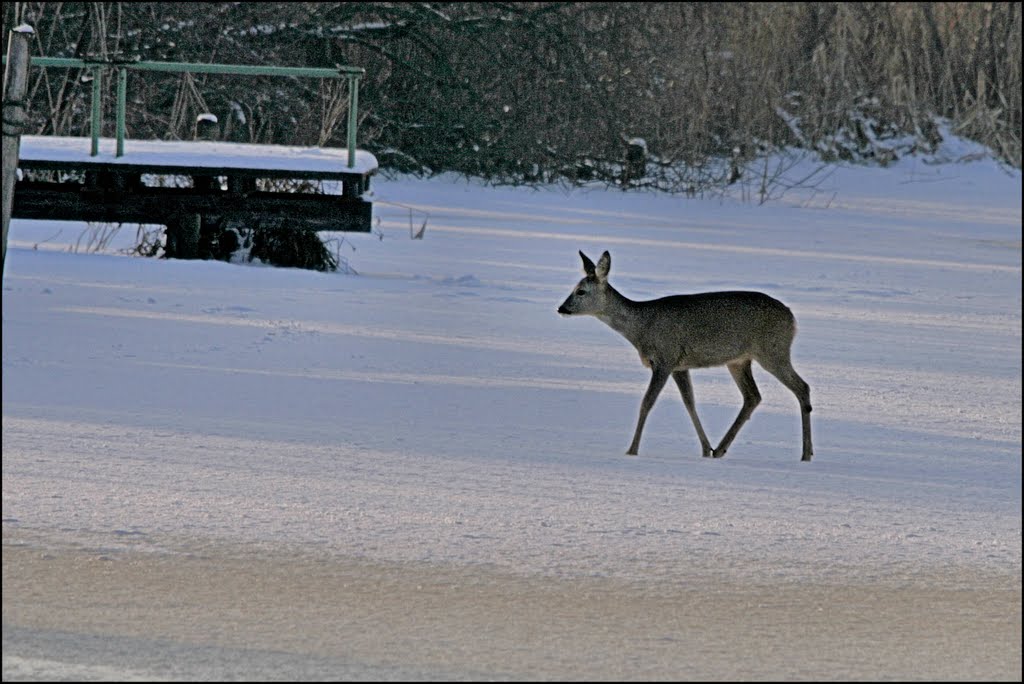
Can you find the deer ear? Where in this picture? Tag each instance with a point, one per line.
(588, 265)
(603, 264)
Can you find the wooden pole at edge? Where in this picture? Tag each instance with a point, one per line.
(14, 118)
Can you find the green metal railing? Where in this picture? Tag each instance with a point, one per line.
(97, 67)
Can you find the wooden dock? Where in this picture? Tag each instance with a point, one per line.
(210, 179)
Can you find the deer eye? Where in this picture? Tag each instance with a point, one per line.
(581, 292)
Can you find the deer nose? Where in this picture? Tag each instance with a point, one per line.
(562, 310)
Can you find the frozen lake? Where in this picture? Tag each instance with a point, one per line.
(221, 471)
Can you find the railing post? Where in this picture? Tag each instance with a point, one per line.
(353, 118)
(14, 118)
(97, 120)
(122, 99)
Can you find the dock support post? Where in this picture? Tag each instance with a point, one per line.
(188, 236)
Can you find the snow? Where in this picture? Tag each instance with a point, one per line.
(178, 154)
(435, 412)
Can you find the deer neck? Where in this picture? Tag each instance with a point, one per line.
(622, 315)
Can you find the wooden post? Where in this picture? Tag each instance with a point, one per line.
(635, 167)
(207, 127)
(14, 118)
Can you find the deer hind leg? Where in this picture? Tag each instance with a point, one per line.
(744, 378)
(782, 368)
(659, 377)
(682, 379)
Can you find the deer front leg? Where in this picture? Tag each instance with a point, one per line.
(659, 376)
(682, 379)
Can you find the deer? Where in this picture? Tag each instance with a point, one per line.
(677, 333)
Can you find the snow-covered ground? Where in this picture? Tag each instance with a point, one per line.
(434, 417)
